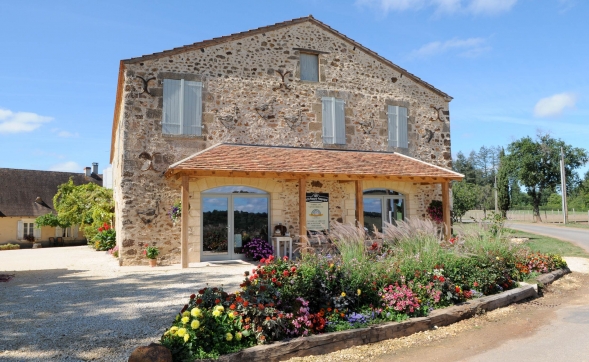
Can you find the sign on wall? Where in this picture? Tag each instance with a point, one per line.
(317, 211)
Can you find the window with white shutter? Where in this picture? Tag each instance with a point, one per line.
(397, 119)
(182, 113)
(20, 230)
(334, 120)
(309, 67)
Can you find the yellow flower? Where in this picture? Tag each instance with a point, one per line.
(231, 315)
(173, 330)
(358, 291)
(186, 337)
(195, 324)
(497, 258)
(220, 308)
(186, 314)
(343, 294)
(185, 320)
(216, 313)
(238, 336)
(181, 332)
(229, 336)
(195, 312)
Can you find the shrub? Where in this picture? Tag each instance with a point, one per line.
(258, 249)
(106, 238)
(9, 246)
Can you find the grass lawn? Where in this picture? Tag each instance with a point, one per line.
(546, 244)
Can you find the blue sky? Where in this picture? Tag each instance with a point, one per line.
(513, 66)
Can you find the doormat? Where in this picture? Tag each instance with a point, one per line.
(6, 277)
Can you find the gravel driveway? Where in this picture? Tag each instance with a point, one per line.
(76, 304)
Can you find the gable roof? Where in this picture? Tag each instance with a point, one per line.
(294, 162)
(20, 190)
(236, 36)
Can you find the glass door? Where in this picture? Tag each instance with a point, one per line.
(215, 226)
(372, 214)
(231, 217)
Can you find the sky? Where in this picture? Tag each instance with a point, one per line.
(514, 67)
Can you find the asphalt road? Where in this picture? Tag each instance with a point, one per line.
(577, 236)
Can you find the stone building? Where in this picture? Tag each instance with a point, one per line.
(243, 129)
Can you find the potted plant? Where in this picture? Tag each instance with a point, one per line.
(151, 253)
(176, 212)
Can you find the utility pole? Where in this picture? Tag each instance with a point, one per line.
(563, 187)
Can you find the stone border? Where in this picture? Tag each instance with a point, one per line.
(335, 341)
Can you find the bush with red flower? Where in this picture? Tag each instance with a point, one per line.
(106, 238)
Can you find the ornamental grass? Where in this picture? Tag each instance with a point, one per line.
(408, 270)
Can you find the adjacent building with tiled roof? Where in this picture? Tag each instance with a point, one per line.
(27, 194)
(252, 129)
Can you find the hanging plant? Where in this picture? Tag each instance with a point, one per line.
(176, 212)
(435, 211)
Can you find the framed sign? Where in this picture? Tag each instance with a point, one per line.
(317, 211)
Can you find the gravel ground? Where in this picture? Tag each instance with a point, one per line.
(76, 304)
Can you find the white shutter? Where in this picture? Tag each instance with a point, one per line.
(37, 232)
(172, 115)
(75, 229)
(340, 122)
(328, 119)
(393, 118)
(403, 139)
(19, 230)
(58, 231)
(192, 112)
(309, 67)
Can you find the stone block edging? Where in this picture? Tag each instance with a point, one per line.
(331, 342)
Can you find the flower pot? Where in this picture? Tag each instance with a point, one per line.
(152, 262)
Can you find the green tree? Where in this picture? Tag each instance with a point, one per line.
(503, 197)
(464, 197)
(535, 164)
(87, 205)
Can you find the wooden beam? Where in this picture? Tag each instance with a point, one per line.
(303, 207)
(446, 210)
(359, 204)
(184, 223)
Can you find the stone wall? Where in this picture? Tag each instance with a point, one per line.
(239, 76)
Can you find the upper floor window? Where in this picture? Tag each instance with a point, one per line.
(310, 67)
(397, 119)
(334, 123)
(182, 107)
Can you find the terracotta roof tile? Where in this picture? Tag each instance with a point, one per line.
(232, 159)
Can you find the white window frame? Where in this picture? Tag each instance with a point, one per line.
(178, 115)
(333, 120)
(27, 224)
(398, 120)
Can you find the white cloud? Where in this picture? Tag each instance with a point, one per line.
(486, 7)
(16, 122)
(553, 106)
(66, 134)
(470, 47)
(69, 166)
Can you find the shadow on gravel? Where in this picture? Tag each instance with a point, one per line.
(59, 312)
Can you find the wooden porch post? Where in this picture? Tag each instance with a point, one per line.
(303, 207)
(446, 210)
(184, 224)
(359, 203)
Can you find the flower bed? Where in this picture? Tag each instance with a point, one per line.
(409, 274)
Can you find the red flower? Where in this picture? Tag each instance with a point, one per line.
(475, 284)
(202, 291)
(285, 273)
(232, 306)
(263, 260)
(279, 284)
(99, 229)
(192, 296)
(273, 272)
(457, 289)
(260, 306)
(184, 308)
(247, 326)
(442, 279)
(246, 303)
(285, 258)
(217, 301)
(293, 269)
(274, 280)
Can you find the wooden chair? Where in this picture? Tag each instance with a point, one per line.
(52, 241)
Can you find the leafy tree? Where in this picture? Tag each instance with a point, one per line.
(88, 205)
(503, 197)
(535, 163)
(465, 166)
(464, 198)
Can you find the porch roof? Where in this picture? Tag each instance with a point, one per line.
(235, 160)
